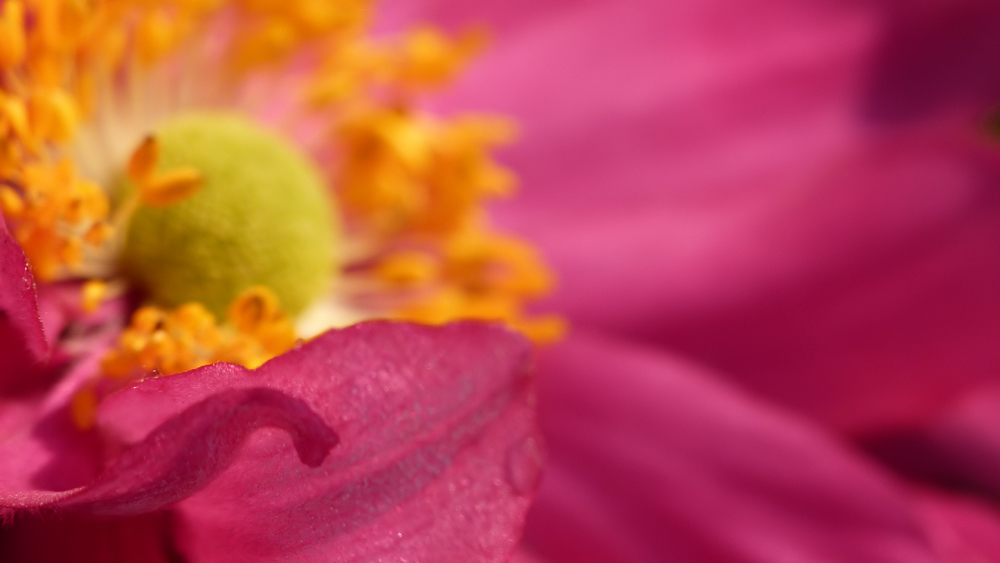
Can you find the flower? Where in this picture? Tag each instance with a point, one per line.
(173, 264)
(787, 107)
(792, 200)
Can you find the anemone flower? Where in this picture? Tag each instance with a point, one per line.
(778, 256)
(195, 195)
(790, 194)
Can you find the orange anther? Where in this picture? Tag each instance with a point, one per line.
(13, 42)
(172, 186)
(253, 308)
(408, 268)
(11, 202)
(93, 294)
(142, 164)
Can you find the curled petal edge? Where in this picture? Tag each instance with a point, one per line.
(188, 451)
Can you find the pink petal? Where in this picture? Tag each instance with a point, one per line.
(436, 460)
(776, 188)
(524, 556)
(962, 529)
(652, 460)
(879, 284)
(455, 14)
(61, 305)
(959, 446)
(22, 342)
(42, 452)
(190, 449)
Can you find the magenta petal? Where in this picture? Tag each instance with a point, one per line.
(42, 450)
(37, 539)
(960, 446)
(22, 342)
(652, 460)
(523, 556)
(966, 437)
(437, 456)
(764, 186)
(190, 449)
(962, 530)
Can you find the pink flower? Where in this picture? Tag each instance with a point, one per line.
(796, 199)
(396, 440)
(795, 195)
(134, 433)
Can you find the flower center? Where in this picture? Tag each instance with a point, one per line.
(261, 217)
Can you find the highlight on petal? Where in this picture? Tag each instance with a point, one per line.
(651, 460)
(22, 341)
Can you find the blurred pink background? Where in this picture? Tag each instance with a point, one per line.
(777, 227)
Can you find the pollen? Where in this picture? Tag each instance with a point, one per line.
(250, 160)
(163, 188)
(13, 40)
(166, 342)
(421, 184)
(93, 294)
(160, 342)
(55, 216)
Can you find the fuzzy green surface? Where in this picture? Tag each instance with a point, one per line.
(263, 217)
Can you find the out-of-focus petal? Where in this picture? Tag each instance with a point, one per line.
(878, 282)
(37, 539)
(958, 447)
(651, 460)
(23, 347)
(961, 529)
(774, 188)
(935, 57)
(524, 556)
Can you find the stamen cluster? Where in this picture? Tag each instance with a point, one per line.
(160, 342)
(412, 186)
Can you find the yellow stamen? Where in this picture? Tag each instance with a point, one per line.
(55, 216)
(172, 186)
(408, 268)
(94, 292)
(431, 58)
(155, 36)
(54, 115)
(169, 342)
(160, 189)
(413, 186)
(11, 203)
(143, 162)
(13, 42)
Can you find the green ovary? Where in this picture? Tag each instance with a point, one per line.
(262, 217)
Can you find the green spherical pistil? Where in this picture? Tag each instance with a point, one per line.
(262, 217)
